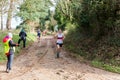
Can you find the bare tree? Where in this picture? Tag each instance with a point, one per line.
(3, 10)
(12, 8)
(9, 18)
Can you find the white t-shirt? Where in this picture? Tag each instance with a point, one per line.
(60, 38)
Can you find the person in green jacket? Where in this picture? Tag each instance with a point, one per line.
(22, 36)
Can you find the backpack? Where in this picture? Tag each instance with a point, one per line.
(7, 48)
(23, 35)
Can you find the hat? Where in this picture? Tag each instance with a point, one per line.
(10, 35)
(22, 30)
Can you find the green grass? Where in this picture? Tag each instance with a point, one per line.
(2, 55)
(107, 67)
(30, 39)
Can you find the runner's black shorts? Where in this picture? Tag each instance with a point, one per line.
(60, 44)
(38, 34)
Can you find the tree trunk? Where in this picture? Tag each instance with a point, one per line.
(9, 18)
(1, 19)
(1, 15)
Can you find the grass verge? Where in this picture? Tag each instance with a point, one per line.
(107, 67)
(30, 39)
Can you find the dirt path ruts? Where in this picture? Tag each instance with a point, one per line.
(38, 62)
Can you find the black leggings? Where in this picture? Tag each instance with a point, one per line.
(24, 42)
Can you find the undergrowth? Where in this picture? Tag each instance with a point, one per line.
(105, 50)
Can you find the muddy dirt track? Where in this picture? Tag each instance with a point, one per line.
(38, 62)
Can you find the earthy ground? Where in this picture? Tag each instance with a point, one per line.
(38, 62)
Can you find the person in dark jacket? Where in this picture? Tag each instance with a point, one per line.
(9, 48)
(22, 36)
(38, 35)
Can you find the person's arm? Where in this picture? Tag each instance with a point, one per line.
(19, 34)
(25, 34)
(63, 37)
(12, 44)
(55, 36)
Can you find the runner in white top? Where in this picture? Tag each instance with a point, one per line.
(59, 43)
(60, 38)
